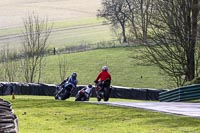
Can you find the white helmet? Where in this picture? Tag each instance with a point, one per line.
(104, 68)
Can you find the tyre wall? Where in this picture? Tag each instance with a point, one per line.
(7, 88)
(8, 120)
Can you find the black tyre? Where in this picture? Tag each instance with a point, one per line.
(106, 94)
(78, 98)
(99, 95)
(65, 95)
(81, 97)
(98, 99)
(56, 97)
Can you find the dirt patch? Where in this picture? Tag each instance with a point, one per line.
(13, 12)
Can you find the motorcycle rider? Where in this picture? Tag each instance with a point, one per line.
(86, 91)
(63, 91)
(70, 80)
(104, 75)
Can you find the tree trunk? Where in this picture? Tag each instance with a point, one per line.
(191, 66)
(194, 25)
(124, 34)
(123, 31)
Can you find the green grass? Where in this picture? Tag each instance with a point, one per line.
(44, 114)
(125, 70)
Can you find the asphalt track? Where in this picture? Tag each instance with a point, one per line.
(177, 108)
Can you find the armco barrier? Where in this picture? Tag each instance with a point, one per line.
(49, 90)
(185, 93)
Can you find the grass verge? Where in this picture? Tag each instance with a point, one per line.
(44, 114)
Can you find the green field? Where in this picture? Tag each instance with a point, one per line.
(42, 114)
(125, 70)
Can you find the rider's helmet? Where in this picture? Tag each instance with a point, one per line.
(104, 68)
(90, 85)
(74, 74)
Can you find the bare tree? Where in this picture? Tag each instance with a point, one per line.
(174, 30)
(62, 63)
(116, 12)
(35, 35)
(140, 12)
(9, 64)
(132, 14)
(145, 14)
(133, 9)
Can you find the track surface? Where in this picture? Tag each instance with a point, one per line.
(178, 108)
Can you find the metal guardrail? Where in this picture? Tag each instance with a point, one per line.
(185, 93)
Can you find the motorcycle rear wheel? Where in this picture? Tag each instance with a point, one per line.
(106, 94)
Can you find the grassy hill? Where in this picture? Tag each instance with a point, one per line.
(125, 64)
(125, 70)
